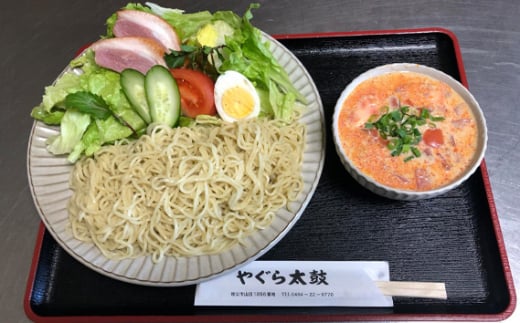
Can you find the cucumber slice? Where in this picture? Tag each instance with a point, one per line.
(132, 82)
(162, 94)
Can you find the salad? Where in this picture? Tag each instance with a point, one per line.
(161, 65)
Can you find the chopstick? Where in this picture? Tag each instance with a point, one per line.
(413, 289)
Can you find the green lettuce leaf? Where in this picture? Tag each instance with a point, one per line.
(246, 53)
(70, 82)
(93, 79)
(72, 127)
(185, 24)
(88, 103)
(52, 117)
(106, 84)
(99, 133)
(55, 94)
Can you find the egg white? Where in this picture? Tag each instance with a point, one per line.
(229, 80)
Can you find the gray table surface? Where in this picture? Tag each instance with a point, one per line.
(39, 37)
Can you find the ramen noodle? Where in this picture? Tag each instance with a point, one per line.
(447, 146)
(186, 191)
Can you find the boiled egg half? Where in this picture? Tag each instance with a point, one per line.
(236, 97)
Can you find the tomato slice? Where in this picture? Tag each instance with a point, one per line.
(433, 137)
(196, 89)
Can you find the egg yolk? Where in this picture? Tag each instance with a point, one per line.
(207, 36)
(237, 102)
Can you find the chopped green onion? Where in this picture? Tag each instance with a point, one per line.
(407, 159)
(435, 119)
(399, 127)
(416, 152)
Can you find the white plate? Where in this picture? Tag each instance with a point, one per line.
(49, 183)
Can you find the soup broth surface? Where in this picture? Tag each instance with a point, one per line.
(447, 147)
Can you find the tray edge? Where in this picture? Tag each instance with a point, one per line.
(507, 312)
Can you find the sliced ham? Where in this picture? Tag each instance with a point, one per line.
(461, 123)
(365, 108)
(128, 52)
(393, 102)
(422, 179)
(142, 24)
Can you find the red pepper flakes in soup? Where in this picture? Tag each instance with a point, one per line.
(446, 143)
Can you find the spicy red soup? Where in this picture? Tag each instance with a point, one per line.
(408, 131)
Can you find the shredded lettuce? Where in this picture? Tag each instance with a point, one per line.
(49, 117)
(98, 133)
(247, 53)
(72, 127)
(106, 84)
(89, 134)
(244, 52)
(187, 24)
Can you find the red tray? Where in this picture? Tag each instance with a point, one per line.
(454, 238)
